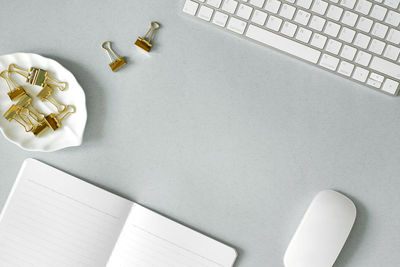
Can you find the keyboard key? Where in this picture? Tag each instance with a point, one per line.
(304, 3)
(364, 24)
(220, 19)
(317, 23)
(303, 35)
(329, 62)
(386, 67)
(274, 23)
(348, 3)
(348, 52)
(392, 3)
(320, 7)
(257, 3)
(190, 7)
(302, 17)
(236, 25)
(289, 28)
(214, 3)
(393, 18)
(390, 86)
(229, 6)
(345, 68)
(363, 58)
(378, 12)
(360, 74)
(363, 6)
(347, 35)
(376, 46)
(334, 12)
(374, 83)
(283, 44)
(287, 11)
(362, 40)
(391, 52)
(349, 18)
(272, 6)
(244, 11)
(332, 28)
(259, 17)
(394, 36)
(205, 13)
(333, 46)
(376, 77)
(375, 80)
(318, 40)
(379, 30)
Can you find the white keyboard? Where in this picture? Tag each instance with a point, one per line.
(357, 39)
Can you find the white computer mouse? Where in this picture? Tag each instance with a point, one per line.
(322, 232)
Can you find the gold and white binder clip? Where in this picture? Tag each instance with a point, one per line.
(54, 120)
(116, 61)
(26, 103)
(47, 94)
(39, 128)
(144, 43)
(38, 123)
(18, 114)
(15, 91)
(22, 114)
(39, 77)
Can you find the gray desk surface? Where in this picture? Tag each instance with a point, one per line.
(228, 137)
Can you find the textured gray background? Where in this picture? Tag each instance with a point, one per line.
(228, 137)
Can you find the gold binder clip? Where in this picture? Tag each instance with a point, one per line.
(54, 120)
(146, 44)
(16, 113)
(21, 115)
(39, 77)
(47, 93)
(26, 104)
(40, 128)
(116, 61)
(62, 86)
(14, 91)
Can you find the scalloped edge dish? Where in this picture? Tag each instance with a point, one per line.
(72, 129)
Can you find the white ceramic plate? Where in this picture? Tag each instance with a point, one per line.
(71, 131)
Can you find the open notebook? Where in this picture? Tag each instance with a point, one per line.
(54, 219)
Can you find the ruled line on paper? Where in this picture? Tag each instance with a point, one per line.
(46, 227)
(80, 202)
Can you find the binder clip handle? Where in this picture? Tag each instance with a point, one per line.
(9, 81)
(68, 110)
(62, 86)
(23, 72)
(6, 78)
(152, 30)
(111, 53)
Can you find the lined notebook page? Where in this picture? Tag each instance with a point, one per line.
(54, 219)
(151, 240)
